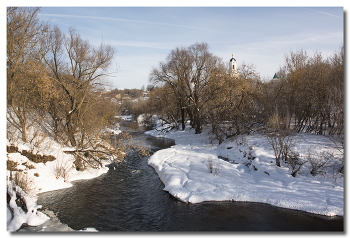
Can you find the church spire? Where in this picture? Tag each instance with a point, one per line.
(233, 66)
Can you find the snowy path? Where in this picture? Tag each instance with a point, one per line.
(183, 170)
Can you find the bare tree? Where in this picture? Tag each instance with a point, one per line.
(27, 82)
(248, 72)
(174, 73)
(188, 71)
(76, 68)
(237, 106)
(205, 69)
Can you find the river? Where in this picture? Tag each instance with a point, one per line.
(131, 198)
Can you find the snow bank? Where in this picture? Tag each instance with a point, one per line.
(18, 216)
(184, 171)
(42, 177)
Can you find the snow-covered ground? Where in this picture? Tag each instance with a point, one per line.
(43, 177)
(183, 169)
(32, 217)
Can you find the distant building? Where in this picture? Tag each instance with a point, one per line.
(233, 66)
(275, 76)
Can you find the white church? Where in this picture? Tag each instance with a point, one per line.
(233, 66)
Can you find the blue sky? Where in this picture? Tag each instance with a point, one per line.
(144, 36)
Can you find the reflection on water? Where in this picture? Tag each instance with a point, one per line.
(131, 198)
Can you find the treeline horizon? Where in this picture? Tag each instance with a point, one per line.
(194, 85)
(60, 76)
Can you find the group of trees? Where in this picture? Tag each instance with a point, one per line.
(189, 74)
(54, 79)
(307, 96)
(310, 92)
(194, 85)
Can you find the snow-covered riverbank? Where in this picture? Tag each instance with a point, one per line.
(41, 177)
(184, 171)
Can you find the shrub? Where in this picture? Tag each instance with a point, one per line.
(62, 168)
(294, 162)
(213, 168)
(317, 161)
(280, 138)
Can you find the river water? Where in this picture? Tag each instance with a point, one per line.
(131, 198)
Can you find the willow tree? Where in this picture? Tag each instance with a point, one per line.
(76, 68)
(174, 73)
(189, 72)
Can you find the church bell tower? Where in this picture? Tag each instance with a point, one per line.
(233, 66)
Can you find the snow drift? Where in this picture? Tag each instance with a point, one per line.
(184, 171)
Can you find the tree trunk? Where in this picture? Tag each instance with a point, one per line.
(70, 130)
(190, 114)
(70, 135)
(183, 118)
(21, 119)
(24, 133)
(278, 163)
(197, 123)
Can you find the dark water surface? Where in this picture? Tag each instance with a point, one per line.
(131, 198)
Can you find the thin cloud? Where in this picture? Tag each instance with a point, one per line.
(325, 13)
(306, 39)
(124, 20)
(141, 44)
